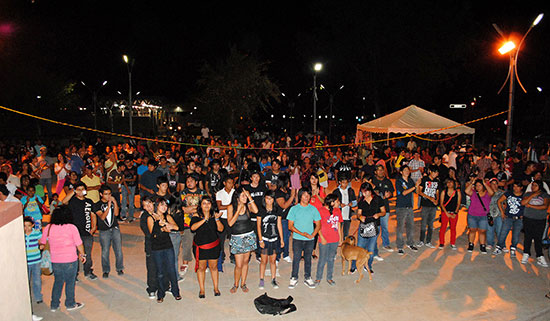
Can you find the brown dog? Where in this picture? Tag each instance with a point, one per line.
(352, 252)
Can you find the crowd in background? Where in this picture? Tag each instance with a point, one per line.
(268, 195)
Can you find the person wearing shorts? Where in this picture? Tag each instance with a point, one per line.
(480, 194)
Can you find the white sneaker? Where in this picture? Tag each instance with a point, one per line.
(525, 258)
(488, 247)
(420, 244)
(287, 259)
(430, 245)
(388, 249)
(76, 306)
(379, 259)
(36, 318)
(505, 250)
(292, 283)
(310, 283)
(542, 261)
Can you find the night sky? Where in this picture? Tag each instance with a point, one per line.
(393, 53)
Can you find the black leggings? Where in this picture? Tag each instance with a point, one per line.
(533, 231)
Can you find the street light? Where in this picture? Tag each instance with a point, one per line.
(317, 67)
(94, 98)
(129, 64)
(510, 47)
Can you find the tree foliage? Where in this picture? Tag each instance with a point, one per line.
(237, 87)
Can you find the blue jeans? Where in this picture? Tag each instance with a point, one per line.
(507, 225)
(175, 237)
(491, 230)
(299, 246)
(286, 238)
(405, 221)
(327, 253)
(368, 243)
(106, 238)
(345, 228)
(47, 183)
(88, 242)
(128, 198)
(35, 280)
(164, 262)
(427, 224)
(384, 220)
(64, 274)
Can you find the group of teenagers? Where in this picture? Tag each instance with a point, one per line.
(269, 205)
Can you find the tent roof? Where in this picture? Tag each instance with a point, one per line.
(414, 120)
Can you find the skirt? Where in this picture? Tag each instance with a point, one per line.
(210, 254)
(242, 243)
(271, 248)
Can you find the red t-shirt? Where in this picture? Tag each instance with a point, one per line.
(315, 201)
(329, 224)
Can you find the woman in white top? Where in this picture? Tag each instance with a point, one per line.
(537, 176)
(61, 169)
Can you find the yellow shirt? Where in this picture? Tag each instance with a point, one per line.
(94, 181)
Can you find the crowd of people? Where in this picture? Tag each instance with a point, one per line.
(266, 196)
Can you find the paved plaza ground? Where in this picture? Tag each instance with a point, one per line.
(431, 284)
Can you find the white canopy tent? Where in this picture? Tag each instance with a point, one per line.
(413, 120)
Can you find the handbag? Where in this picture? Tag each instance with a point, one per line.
(46, 261)
(489, 217)
(367, 229)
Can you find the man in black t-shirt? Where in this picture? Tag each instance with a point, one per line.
(213, 177)
(497, 172)
(257, 190)
(175, 183)
(85, 220)
(128, 190)
(107, 211)
(272, 175)
(343, 167)
(429, 191)
(383, 187)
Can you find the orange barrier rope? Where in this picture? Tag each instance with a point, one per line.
(235, 147)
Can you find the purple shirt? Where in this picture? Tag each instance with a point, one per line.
(476, 209)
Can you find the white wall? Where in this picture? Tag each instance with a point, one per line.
(14, 294)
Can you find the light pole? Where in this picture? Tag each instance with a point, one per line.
(94, 98)
(316, 68)
(130, 64)
(331, 102)
(510, 47)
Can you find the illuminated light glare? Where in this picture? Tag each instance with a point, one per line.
(284, 116)
(272, 116)
(38, 97)
(538, 19)
(363, 98)
(506, 122)
(341, 87)
(507, 47)
(283, 94)
(125, 58)
(318, 66)
(539, 89)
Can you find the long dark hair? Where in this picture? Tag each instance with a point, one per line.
(62, 215)
(199, 208)
(331, 198)
(271, 194)
(366, 187)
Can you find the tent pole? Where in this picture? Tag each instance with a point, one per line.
(388, 138)
(473, 139)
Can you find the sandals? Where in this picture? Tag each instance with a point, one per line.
(233, 289)
(217, 293)
(244, 288)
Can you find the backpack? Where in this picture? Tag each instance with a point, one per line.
(267, 305)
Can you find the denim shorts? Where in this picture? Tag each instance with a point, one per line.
(479, 222)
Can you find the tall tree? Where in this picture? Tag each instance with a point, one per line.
(237, 87)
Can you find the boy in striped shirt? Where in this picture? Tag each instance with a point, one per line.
(32, 247)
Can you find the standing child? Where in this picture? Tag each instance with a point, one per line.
(330, 236)
(270, 234)
(55, 202)
(31, 206)
(32, 235)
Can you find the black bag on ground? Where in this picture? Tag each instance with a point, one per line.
(267, 305)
